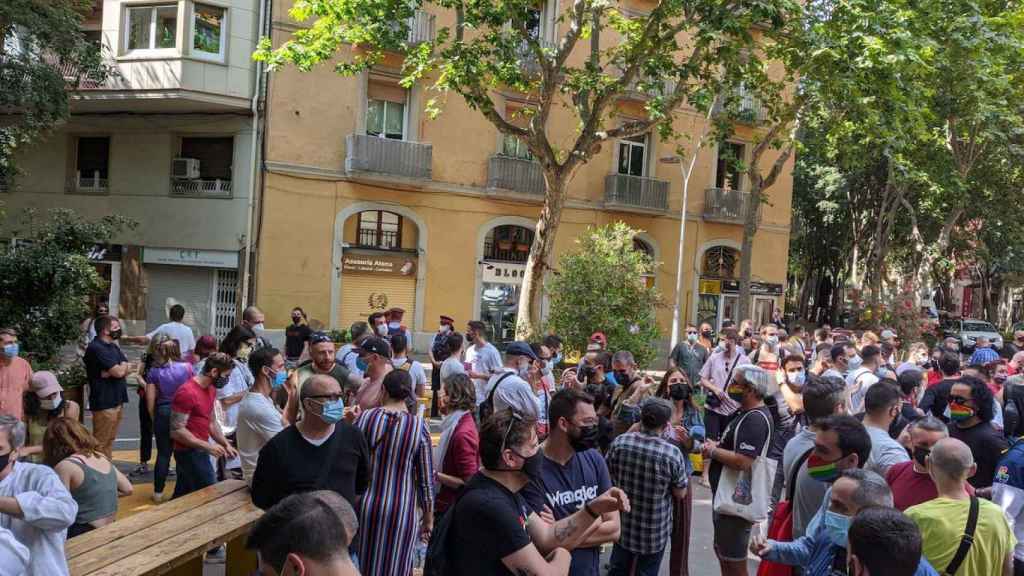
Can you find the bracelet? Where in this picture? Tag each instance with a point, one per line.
(586, 506)
(711, 455)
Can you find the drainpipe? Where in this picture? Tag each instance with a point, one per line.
(255, 161)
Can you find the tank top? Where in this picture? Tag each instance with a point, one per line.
(96, 495)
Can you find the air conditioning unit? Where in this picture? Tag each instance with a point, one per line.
(185, 168)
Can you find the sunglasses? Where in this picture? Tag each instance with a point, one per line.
(515, 418)
(319, 338)
(958, 400)
(327, 397)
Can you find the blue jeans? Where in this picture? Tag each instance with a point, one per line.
(164, 448)
(194, 472)
(623, 561)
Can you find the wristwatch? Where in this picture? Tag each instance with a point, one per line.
(586, 506)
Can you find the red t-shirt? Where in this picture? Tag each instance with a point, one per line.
(910, 488)
(196, 402)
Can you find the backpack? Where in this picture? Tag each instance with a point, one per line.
(405, 367)
(487, 407)
(440, 348)
(436, 560)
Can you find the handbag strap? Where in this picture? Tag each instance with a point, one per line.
(966, 541)
(490, 396)
(791, 486)
(728, 377)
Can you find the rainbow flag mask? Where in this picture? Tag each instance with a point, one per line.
(960, 412)
(734, 390)
(822, 470)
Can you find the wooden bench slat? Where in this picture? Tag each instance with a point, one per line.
(183, 547)
(130, 526)
(143, 540)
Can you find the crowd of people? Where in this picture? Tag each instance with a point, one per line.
(825, 453)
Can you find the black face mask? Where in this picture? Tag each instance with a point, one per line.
(586, 440)
(706, 334)
(220, 382)
(679, 392)
(622, 377)
(531, 465)
(115, 334)
(296, 319)
(920, 454)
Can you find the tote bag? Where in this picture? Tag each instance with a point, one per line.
(748, 494)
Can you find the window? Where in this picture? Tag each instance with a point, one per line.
(152, 27)
(515, 148)
(642, 246)
(385, 119)
(215, 155)
(633, 156)
(380, 229)
(720, 262)
(92, 161)
(208, 30)
(508, 243)
(534, 23)
(730, 158)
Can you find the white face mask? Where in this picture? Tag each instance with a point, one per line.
(444, 328)
(382, 329)
(257, 328)
(50, 403)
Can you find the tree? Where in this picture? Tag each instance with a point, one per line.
(681, 52)
(617, 301)
(46, 278)
(43, 52)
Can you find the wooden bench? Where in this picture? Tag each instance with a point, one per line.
(171, 538)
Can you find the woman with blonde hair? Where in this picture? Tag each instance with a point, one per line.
(163, 377)
(93, 480)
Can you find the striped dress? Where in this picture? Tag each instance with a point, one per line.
(400, 482)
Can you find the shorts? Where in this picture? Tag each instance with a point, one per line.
(732, 537)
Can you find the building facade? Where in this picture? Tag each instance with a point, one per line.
(368, 204)
(168, 141)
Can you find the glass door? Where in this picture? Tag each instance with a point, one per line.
(730, 309)
(707, 309)
(499, 305)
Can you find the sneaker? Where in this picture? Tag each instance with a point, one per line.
(140, 470)
(171, 473)
(158, 497)
(216, 555)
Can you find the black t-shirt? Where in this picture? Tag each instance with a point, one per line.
(295, 338)
(936, 399)
(745, 435)
(289, 464)
(489, 524)
(104, 393)
(987, 446)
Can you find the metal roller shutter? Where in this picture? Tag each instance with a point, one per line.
(363, 294)
(191, 287)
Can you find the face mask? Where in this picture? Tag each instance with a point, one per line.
(523, 370)
(547, 368)
(960, 412)
(50, 404)
(921, 454)
(855, 362)
(11, 350)
(821, 469)
(586, 440)
(243, 353)
(837, 526)
(691, 338)
(361, 365)
(296, 319)
(279, 379)
(721, 346)
(532, 465)
(999, 378)
(706, 333)
(444, 328)
(773, 341)
(679, 392)
(382, 329)
(470, 337)
(220, 382)
(797, 378)
(394, 325)
(115, 334)
(257, 328)
(736, 392)
(622, 376)
(333, 411)
(557, 359)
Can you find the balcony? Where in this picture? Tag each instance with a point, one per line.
(528, 59)
(727, 206)
(515, 174)
(749, 111)
(421, 27)
(634, 91)
(624, 191)
(365, 153)
(85, 184)
(201, 188)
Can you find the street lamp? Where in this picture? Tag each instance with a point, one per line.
(685, 173)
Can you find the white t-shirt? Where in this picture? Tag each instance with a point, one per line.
(347, 357)
(485, 360)
(416, 372)
(177, 331)
(258, 422)
(515, 393)
(240, 380)
(451, 365)
(857, 383)
(885, 452)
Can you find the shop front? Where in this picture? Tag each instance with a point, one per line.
(205, 282)
(106, 259)
(719, 301)
(376, 281)
(505, 251)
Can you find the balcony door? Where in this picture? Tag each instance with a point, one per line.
(633, 156)
(730, 159)
(386, 110)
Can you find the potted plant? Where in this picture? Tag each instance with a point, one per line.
(521, 247)
(505, 244)
(338, 336)
(73, 381)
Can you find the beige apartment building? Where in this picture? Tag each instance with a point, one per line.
(368, 204)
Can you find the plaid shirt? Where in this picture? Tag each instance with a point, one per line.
(646, 467)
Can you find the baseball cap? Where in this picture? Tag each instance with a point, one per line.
(655, 412)
(520, 349)
(375, 345)
(44, 383)
(888, 334)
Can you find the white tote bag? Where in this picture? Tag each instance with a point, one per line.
(747, 494)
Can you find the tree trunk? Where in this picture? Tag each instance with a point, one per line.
(747, 247)
(528, 319)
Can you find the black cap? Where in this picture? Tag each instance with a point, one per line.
(374, 345)
(655, 413)
(520, 349)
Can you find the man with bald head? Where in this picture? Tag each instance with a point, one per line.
(323, 451)
(944, 520)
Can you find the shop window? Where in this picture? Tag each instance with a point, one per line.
(215, 155)
(508, 244)
(380, 229)
(151, 27)
(720, 262)
(633, 156)
(208, 31)
(730, 159)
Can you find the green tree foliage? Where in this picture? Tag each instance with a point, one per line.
(600, 286)
(43, 51)
(46, 278)
(680, 52)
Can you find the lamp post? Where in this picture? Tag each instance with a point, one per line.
(677, 309)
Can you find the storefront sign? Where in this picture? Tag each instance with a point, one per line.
(379, 263)
(189, 257)
(710, 286)
(105, 253)
(501, 273)
(760, 288)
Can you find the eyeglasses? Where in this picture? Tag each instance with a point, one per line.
(328, 397)
(515, 418)
(958, 400)
(319, 338)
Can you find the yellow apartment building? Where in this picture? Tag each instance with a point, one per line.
(369, 204)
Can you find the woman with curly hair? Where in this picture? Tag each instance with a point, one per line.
(93, 480)
(457, 455)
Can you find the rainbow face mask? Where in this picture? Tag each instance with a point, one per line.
(821, 469)
(736, 392)
(959, 412)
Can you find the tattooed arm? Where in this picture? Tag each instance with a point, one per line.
(569, 532)
(527, 561)
(181, 434)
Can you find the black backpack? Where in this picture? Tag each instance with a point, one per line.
(436, 561)
(487, 407)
